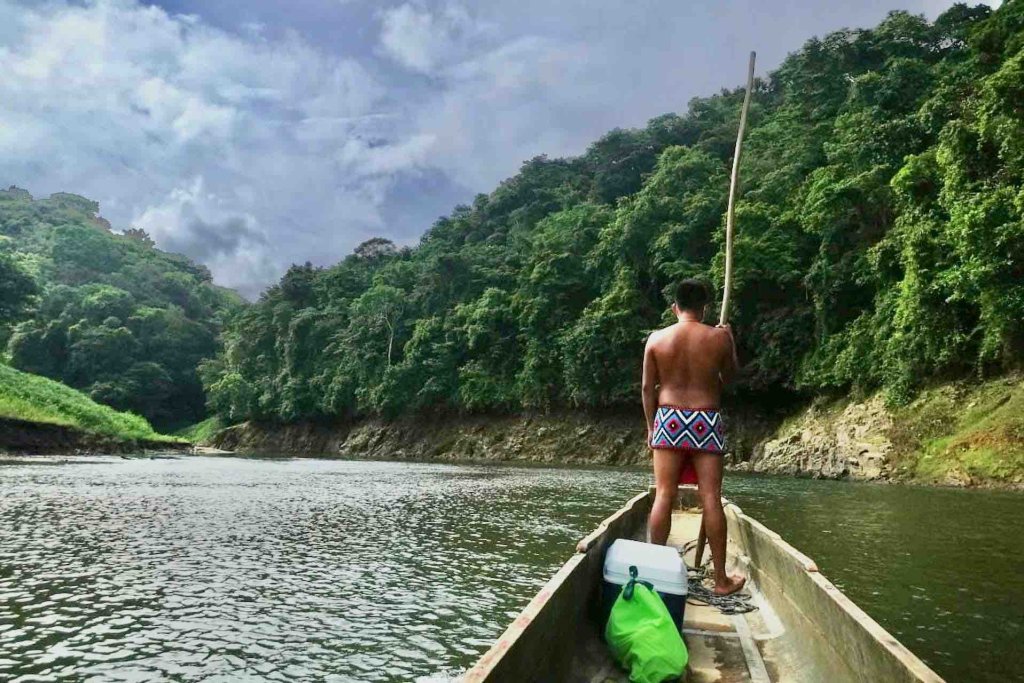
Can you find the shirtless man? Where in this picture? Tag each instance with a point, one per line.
(685, 366)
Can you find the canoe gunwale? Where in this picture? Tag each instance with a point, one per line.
(790, 581)
(560, 607)
(539, 643)
(594, 537)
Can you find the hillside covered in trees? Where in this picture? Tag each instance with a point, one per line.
(105, 313)
(880, 244)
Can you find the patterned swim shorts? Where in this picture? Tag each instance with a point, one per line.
(681, 429)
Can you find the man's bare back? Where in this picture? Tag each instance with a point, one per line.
(692, 361)
(685, 367)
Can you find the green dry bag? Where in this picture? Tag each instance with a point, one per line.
(642, 635)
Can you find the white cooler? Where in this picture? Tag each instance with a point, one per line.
(658, 565)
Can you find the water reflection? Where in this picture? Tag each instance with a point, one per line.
(941, 569)
(228, 569)
(276, 570)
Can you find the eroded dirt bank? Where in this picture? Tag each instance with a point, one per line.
(578, 438)
(958, 434)
(37, 438)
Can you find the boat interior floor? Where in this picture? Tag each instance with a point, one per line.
(722, 648)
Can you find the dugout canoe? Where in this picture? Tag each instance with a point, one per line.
(805, 629)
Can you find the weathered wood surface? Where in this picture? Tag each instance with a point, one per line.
(541, 642)
(805, 631)
(827, 636)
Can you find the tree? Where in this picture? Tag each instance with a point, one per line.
(601, 351)
(880, 242)
(18, 290)
(140, 236)
(110, 314)
(375, 248)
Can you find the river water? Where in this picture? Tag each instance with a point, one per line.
(225, 569)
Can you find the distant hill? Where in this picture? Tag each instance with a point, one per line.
(105, 313)
(879, 245)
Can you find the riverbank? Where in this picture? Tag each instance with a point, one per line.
(611, 439)
(962, 434)
(952, 434)
(23, 437)
(41, 416)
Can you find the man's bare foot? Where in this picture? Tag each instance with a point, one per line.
(730, 585)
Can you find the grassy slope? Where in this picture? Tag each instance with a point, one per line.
(202, 432)
(972, 433)
(30, 397)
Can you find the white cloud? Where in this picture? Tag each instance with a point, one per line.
(410, 36)
(494, 104)
(423, 39)
(495, 99)
(366, 159)
(250, 147)
(199, 224)
(197, 134)
(188, 115)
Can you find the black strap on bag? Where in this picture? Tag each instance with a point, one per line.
(627, 590)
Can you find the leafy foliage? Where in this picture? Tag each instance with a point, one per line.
(105, 313)
(880, 242)
(17, 289)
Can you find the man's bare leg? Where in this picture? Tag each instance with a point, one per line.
(666, 483)
(709, 483)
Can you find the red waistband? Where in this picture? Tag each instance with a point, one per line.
(689, 410)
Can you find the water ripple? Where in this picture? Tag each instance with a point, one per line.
(228, 569)
(282, 570)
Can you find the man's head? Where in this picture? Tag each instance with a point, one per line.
(693, 296)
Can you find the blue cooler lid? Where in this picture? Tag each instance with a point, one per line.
(659, 565)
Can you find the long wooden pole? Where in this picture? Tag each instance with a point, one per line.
(729, 221)
(730, 213)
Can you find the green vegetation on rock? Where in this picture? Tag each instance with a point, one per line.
(28, 397)
(880, 245)
(955, 433)
(964, 433)
(202, 433)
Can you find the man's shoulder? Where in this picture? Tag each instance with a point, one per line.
(717, 331)
(688, 328)
(705, 330)
(658, 334)
(709, 336)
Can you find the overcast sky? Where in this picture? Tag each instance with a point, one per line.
(252, 134)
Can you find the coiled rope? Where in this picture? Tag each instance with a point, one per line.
(699, 593)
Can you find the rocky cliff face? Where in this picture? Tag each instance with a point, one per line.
(575, 438)
(955, 434)
(963, 434)
(831, 443)
(606, 440)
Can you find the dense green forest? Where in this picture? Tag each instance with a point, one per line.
(108, 314)
(880, 244)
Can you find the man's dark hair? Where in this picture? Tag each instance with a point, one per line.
(692, 294)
